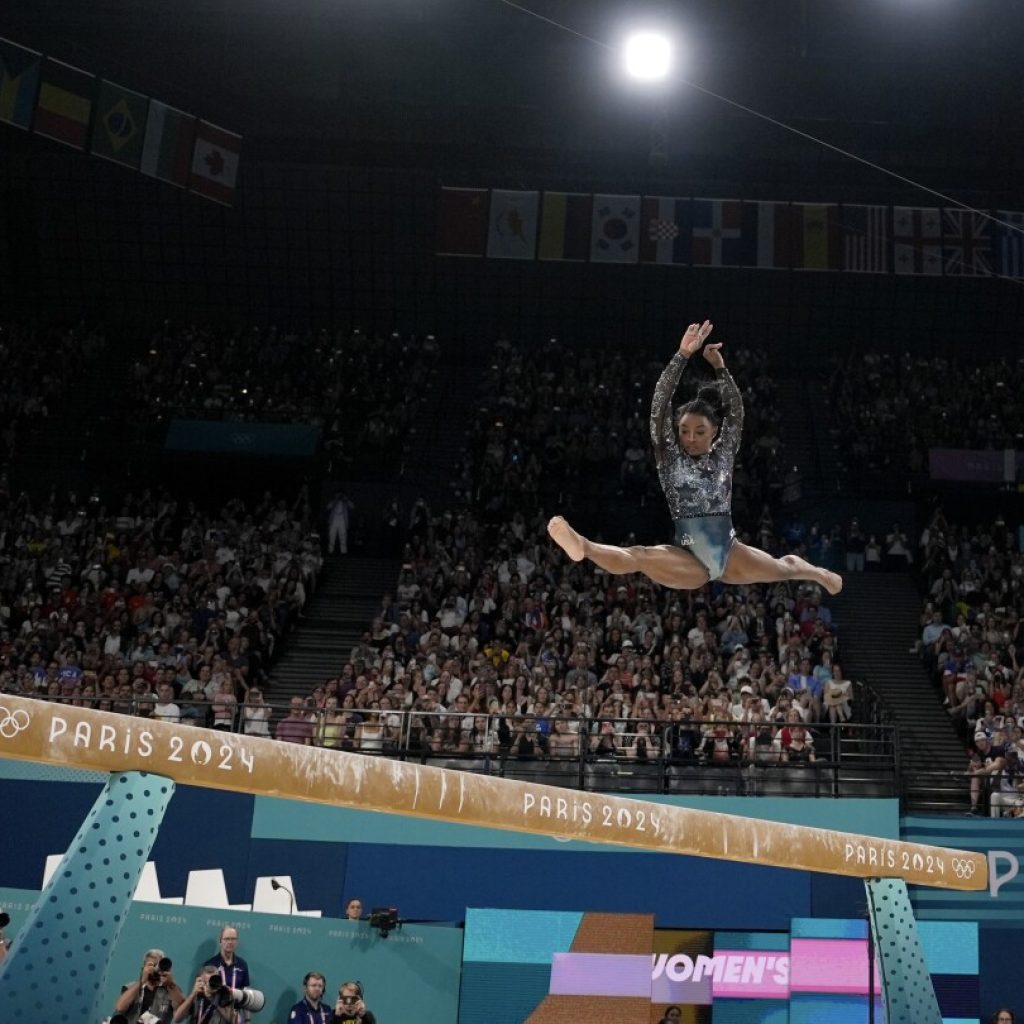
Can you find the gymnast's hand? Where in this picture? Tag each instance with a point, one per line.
(695, 336)
(713, 355)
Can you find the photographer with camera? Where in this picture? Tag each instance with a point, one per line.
(155, 995)
(209, 1002)
(350, 1006)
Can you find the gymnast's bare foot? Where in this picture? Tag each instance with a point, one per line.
(831, 581)
(566, 538)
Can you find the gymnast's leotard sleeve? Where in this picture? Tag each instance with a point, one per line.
(732, 422)
(663, 431)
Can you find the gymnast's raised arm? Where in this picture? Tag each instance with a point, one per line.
(663, 431)
(732, 400)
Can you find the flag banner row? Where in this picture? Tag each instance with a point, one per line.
(685, 231)
(110, 121)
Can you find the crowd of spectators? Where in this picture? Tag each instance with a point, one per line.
(972, 641)
(554, 418)
(493, 643)
(344, 382)
(131, 608)
(890, 409)
(37, 365)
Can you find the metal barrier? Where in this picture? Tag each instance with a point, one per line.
(593, 754)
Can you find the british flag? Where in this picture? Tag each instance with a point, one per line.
(966, 243)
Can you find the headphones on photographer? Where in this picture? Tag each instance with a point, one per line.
(314, 974)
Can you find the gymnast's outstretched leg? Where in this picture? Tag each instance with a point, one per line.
(752, 565)
(665, 564)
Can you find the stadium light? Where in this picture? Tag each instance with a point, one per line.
(647, 56)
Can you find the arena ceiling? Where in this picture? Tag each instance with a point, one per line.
(935, 85)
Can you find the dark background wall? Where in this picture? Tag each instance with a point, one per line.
(316, 245)
(353, 115)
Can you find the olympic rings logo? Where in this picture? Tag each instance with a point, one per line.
(12, 722)
(963, 868)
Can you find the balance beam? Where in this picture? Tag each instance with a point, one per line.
(57, 734)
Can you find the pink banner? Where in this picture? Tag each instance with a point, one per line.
(830, 965)
(750, 974)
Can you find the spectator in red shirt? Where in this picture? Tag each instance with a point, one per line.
(297, 727)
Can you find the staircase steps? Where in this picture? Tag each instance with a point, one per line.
(341, 610)
(878, 615)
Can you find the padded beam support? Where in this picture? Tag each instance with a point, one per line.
(906, 982)
(57, 965)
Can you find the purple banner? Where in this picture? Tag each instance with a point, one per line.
(974, 466)
(601, 974)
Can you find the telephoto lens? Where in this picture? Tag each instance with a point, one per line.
(5, 919)
(250, 999)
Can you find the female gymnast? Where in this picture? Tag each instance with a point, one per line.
(695, 458)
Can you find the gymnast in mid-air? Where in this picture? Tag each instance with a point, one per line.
(695, 453)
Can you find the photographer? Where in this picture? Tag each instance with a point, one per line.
(204, 1005)
(155, 992)
(350, 1005)
(234, 971)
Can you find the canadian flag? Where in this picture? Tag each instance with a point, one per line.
(215, 163)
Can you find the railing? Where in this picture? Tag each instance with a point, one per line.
(594, 754)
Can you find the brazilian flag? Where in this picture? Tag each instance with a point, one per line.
(119, 124)
(19, 83)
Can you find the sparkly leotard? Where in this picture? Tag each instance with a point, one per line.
(698, 490)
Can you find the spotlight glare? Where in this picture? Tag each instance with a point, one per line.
(647, 56)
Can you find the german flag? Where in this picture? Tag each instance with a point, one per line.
(19, 82)
(65, 104)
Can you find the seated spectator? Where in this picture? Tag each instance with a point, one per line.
(797, 745)
(297, 727)
(256, 714)
(987, 762)
(1007, 799)
(720, 745)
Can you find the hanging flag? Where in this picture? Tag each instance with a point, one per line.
(716, 233)
(167, 148)
(814, 236)
(663, 235)
(1008, 244)
(65, 103)
(19, 83)
(766, 235)
(865, 232)
(615, 230)
(917, 240)
(119, 126)
(215, 163)
(462, 222)
(966, 243)
(565, 226)
(513, 225)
